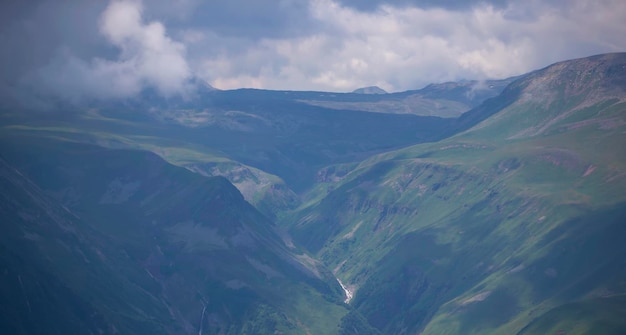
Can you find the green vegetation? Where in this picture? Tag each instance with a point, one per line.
(596, 316)
(487, 230)
(505, 220)
(149, 247)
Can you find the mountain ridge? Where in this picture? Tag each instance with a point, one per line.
(480, 187)
(370, 90)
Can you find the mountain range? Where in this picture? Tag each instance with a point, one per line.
(472, 207)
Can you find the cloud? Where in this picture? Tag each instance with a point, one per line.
(93, 49)
(147, 57)
(155, 58)
(372, 5)
(401, 48)
(247, 19)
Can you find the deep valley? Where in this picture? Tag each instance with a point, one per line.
(467, 207)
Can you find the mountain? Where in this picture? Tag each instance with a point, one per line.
(474, 207)
(270, 144)
(512, 226)
(445, 100)
(40, 239)
(159, 248)
(370, 90)
(100, 240)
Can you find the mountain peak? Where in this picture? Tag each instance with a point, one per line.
(606, 73)
(370, 90)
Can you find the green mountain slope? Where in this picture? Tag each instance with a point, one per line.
(446, 100)
(493, 228)
(119, 240)
(54, 277)
(594, 316)
(188, 251)
(514, 225)
(270, 144)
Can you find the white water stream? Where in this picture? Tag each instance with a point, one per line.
(202, 320)
(348, 292)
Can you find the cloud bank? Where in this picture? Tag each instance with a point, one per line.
(97, 50)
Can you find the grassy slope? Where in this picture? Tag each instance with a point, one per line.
(594, 316)
(264, 190)
(180, 239)
(184, 137)
(55, 280)
(265, 142)
(466, 235)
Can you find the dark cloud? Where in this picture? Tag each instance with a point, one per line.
(237, 18)
(33, 32)
(88, 49)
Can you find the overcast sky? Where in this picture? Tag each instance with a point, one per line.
(76, 49)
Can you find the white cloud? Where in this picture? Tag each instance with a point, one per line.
(332, 47)
(405, 48)
(147, 58)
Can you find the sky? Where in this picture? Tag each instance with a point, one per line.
(94, 49)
